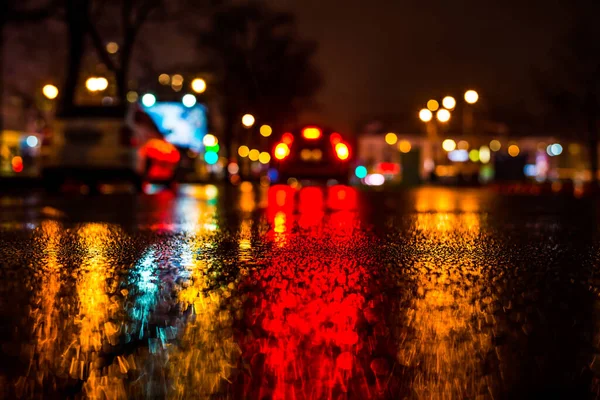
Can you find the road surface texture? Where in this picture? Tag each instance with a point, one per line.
(257, 293)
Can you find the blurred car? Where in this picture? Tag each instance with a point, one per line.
(98, 144)
(312, 153)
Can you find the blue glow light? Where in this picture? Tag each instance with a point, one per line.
(458, 155)
(360, 172)
(530, 170)
(32, 141)
(273, 175)
(211, 157)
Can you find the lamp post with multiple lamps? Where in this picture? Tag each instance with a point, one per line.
(443, 114)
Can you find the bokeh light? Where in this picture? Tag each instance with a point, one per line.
(132, 96)
(484, 154)
(474, 155)
(463, 145)
(443, 115)
(50, 92)
(148, 100)
(425, 115)
(248, 120)
(112, 48)
(211, 157)
(281, 151)
(264, 157)
(209, 140)
(253, 155)
(189, 100)
(243, 151)
(471, 96)
(448, 145)
(449, 102)
(495, 145)
(199, 85)
(342, 151)
(360, 172)
(433, 105)
(266, 130)
(164, 79)
(391, 138)
(513, 150)
(32, 141)
(404, 146)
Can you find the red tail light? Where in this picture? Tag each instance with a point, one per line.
(342, 151)
(335, 138)
(311, 132)
(287, 138)
(282, 150)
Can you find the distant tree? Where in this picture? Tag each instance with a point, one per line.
(570, 86)
(261, 64)
(20, 12)
(122, 21)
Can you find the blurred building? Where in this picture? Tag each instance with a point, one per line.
(403, 151)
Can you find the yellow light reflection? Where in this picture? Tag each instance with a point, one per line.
(207, 352)
(447, 341)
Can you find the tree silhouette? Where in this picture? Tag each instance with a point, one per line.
(262, 66)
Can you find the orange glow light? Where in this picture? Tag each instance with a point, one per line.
(17, 164)
(342, 151)
(311, 133)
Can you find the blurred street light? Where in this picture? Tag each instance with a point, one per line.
(449, 145)
(96, 84)
(266, 130)
(391, 138)
(425, 115)
(164, 79)
(177, 80)
(404, 146)
(248, 120)
(209, 140)
(449, 102)
(463, 145)
(471, 96)
(264, 157)
(513, 150)
(495, 145)
(443, 115)
(199, 85)
(132, 96)
(253, 155)
(189, 100)
(50, 92)
(243, 151)
(484, 154)
(112, 48)
(148, 100)
(433, 105)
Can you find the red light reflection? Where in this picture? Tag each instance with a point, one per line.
(306, 332)
(342, 198)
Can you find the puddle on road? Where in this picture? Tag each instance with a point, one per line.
(302, 299)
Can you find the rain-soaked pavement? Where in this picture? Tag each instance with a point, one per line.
(274, 294)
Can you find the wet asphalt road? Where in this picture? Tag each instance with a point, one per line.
(318, 294)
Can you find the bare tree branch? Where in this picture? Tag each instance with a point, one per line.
(99, 46)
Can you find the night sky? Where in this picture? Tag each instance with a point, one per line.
(386, 56)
